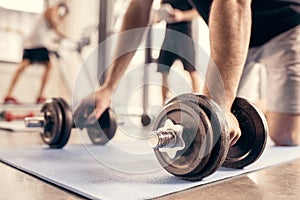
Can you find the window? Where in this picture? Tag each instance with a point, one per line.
(33, 6)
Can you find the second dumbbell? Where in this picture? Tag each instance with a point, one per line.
(56, 119)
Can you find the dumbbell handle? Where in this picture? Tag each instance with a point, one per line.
(35, 122)
(169, 136)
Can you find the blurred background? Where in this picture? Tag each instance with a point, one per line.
(97, 21)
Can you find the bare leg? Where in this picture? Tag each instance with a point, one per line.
(44, 79)
(261, 105)
(284, 128)
(23, 64)
(165, 86)
(195, 81)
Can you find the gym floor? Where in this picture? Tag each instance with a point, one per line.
(278, 182)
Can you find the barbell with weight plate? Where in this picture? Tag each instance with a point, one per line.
(190, 136)
(56, 119)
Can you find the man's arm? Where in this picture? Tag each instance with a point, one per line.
(137, 16)
(51, 17)
(230, 28)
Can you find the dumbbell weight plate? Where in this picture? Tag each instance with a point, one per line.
(67, 124)
(54, 120)
(252, 142)
(197, 135)
(219, 126)
(104, 129)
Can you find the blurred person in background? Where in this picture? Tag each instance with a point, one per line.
(35, 48)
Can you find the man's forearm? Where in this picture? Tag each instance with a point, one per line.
(230, 25)
(190, 14)
(137, 16)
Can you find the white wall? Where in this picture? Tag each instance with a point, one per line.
(82, 14)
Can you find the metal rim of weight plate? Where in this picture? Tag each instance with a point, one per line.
(220, 128)
(67, 124)
(53, 127)
(104, 129)
(252, 142)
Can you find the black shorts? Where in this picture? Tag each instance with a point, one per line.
(36, 55)
(166, 60)
(176, 47)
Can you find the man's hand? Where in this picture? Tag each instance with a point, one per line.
(177, 15)
(234, 128)
(92, 107)
(230, 30)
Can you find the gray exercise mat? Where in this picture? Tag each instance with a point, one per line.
(115, 172)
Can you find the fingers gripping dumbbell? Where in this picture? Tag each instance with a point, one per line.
(56, 119)
(191, 140)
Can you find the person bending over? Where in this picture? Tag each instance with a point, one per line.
(35, 50)
(271, 28)
(179, 20)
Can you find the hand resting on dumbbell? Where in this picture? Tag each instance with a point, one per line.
(92, 107)
(191, 136)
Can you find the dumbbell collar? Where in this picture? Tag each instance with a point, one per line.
(169, 136)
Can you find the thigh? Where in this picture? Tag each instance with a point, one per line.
(187, 55)
(283, 68)
(283, 94)
(165, 61)
(36, 55)
(188, 65)
(252, 84)
(281, 56)
(41, 55)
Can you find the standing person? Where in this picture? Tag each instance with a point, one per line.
(179, 20)
(271, 28)
(35, 50)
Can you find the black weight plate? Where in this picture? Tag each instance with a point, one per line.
(196, 134)
(54, 120)
(252, 142)
(220, 129)
(66, 125)
(104, 129)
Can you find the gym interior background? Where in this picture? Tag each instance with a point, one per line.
(99, 20)
(84, 17)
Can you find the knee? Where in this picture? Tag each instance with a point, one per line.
(21, 68)
(285, 138)
(284, 129)
(48, 65)
(193, 73)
